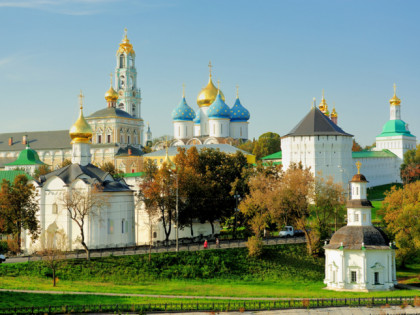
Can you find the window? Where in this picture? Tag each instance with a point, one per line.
(128, 139)
(122, 61)
(240, 131)
(99, 139)
(133, 110)
(364, 217)
(356, 217)
(154, 234)
(121, 106)
(54, 208)
(376, 277)
(108, 138)
(110, 226)
(122, 139)
(353, 276)
(123, 226)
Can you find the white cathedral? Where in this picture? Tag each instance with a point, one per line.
(214, 122)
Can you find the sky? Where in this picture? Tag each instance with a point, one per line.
(281, 54)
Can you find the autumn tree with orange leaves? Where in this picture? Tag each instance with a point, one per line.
(401, 210)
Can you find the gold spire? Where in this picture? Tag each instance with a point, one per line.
(395, 100)
(210, 66)
(333, 112)
(111, 94)
(81, 132)
(183, 90)
(125, 46)
(237, 91)
(358, 165)
(208, 94)
(323, 107)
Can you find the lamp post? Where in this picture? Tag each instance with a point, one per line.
(237, 198)
(176, 214)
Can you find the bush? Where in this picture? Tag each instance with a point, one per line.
(255, 246)
(3, 247)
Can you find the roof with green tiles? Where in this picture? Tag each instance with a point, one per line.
(137, 174)
(10, 175)
(395, 127)
(373, 154)
(274, 156)
(27, 156)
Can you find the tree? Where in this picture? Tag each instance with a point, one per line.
(356, 147)
(327, 208)
(110, 168)
(268, 143)
(82, 204)
(150, 170)
(52, 252)
(247, 146)
(65, 163)
(41, 170)
(410, 169)
(401, 210)
(18, 208)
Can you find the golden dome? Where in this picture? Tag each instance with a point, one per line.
(333, 113)
(125, 46)
(111, 94)
(395, 100)
(323, 107)
(81, 132)
(208, 95)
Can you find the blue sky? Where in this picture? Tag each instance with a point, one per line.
(280, 53)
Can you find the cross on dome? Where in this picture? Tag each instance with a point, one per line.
(81, 96)
(358, 165)
(210, 66)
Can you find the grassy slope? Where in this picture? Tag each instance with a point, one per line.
(284, 271)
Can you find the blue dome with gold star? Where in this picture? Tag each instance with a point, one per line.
(197, 119)
(218, 109)
(183, 112)
(238, 112)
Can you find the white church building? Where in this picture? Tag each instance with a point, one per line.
(359, 256)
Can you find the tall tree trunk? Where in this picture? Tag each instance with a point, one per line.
(54, 281)
(191, 227)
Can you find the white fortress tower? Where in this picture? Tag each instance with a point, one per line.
(359, 256)
(318, 143)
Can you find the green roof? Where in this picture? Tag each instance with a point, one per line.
(269, 163)
(27, 156)
(273, 156)
(137, 174)
(395, 127)
(373, 154)
(10, 175)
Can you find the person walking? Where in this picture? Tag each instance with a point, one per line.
(217, 242)
(205, 244)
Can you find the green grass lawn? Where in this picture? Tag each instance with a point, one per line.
(377, 206)
(284, 271)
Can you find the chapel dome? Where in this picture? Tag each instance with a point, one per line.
(238, 112)
(218, 109)
(111, 94)
(81, 131)
(359, 178)
(125, 45)
(208, 95)
(353, 237)
(395, 127)
(183, 111)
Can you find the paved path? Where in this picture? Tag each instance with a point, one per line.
(142, 250)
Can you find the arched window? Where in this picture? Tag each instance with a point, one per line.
(133, 110)
(128, 139)
(54, 208)
(122, 61)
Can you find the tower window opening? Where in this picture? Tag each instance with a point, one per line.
(99, 139)
(128, 139)
(133, 110)
(121, 106)
(353, 276)
(108, 138)
(122, 61)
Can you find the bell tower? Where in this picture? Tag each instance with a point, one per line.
(129, 95)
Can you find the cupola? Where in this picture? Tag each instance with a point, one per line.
(219, 109)
(183, 112)
(81, 132)
(209, 93)
(238, 112)
(125, 46)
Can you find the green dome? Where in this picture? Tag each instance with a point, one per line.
(395, 127)
(27, 157)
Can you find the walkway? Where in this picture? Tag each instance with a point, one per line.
(142, 250)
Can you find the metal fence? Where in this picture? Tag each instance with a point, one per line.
(213, 307)
(140, 250)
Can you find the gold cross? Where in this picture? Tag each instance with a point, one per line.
(210, 66)
(183, 90)
(313, 102)
(358, 165)
(395, 89)
(237, 91)
(81, 96)
(110, 76)
(125, 32)
(218, 84)
(322, 93)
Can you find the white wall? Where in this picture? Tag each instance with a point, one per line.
(219, 127)
(183, 129)
(239, 130)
